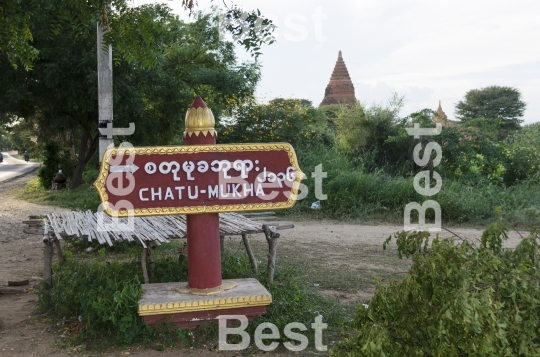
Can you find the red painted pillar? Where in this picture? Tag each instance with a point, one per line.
(204, 252)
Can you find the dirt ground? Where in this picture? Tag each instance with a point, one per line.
(24, 332)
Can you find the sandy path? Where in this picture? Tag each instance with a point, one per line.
(343, 234)
(25, 333)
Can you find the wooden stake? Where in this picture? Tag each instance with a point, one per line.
(61, 256)
(10, 290)
(150, 257)
(143, 266)
(249, 252)
(222, 242)
(47, 260)
(271, 238)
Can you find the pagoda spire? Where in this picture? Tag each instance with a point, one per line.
(440, 117)
(440, 112)
(340, 89)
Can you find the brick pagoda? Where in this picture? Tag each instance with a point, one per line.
(340, 89)
(440, 117)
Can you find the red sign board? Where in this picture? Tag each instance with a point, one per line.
(147, 181)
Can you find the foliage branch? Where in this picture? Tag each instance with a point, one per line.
(458, 299)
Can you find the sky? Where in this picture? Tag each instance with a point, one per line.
(426, 50)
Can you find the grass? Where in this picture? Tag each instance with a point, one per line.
(356, 193)
(95, 293)
(83, 198)
(95, 297)
(349, 271)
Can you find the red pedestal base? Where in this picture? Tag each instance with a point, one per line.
(168, 302)
(196, 318)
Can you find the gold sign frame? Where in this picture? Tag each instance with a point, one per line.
(100, 183)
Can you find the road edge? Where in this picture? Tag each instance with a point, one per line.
(21, 175)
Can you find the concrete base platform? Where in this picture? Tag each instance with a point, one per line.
(164, 302)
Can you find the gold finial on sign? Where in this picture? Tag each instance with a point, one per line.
(199, 118)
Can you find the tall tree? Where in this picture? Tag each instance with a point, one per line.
(367, 129)
(250, 29)
(295, 121)
(15, 34)
(59, 96)
(494, 102)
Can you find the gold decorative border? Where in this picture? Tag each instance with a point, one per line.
(225, 285)
(204, 305)
(197, 132)
(192, 149)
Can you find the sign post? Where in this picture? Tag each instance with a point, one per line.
(200, 179)
(204, 271)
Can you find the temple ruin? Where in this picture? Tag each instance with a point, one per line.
(440, 117)
(340, 89)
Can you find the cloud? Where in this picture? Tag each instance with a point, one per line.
(428, 50)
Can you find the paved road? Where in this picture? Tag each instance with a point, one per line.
(12, 167)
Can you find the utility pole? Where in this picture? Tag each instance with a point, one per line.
(105, 91)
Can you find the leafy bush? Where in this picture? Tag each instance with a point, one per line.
(54, 159)
(51, 163)
(83, 198)
(102, 296)
(362, 129)
(523, 155)
(472, 152)
(356, 192)
(97, 297)
(458, 299)
(295, 121)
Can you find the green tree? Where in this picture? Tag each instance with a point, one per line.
(503, 104)
(471, 149)
(522, 151)
(15, 35)
(23, 137)
(54, 159)
(59, 96)
(471, 155)
(373, 130)
(361, 128)
(5, 140)
(295, 121)
(249, 28)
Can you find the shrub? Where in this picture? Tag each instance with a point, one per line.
(53, 161)
(458, 299)
(98, 297)
(50, 166)
(523, 155)
(362, 129)
(295, 121)
(354, 190)
(82, 198)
